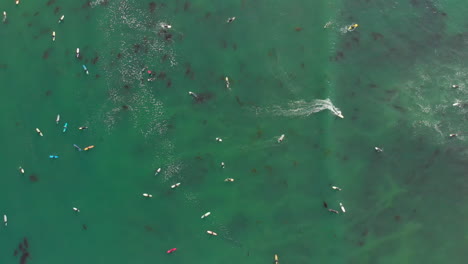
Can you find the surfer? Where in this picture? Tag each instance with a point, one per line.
(53, 157)
(39, 132)
(17, 2)
(227, 82)
(171, 250)
(147, 195)
(219, 139)
(229, 180)
(85, 69)
(211, 233)
(88, 147)
(4, 16)
(194, 95)
(231, 19)
(453, 135)
(5, 219)
(342, 208)
(338, 113)
(76, 209)
(57, 120)
(83, 128)
(281, 138)
(378, 150)
(78, 148)
(276, 259)
(65, 127)
(336, 188)
(222, 165)
(175, 185)
(353, 27)
(205, 215)
(157, 171)
(77, 53)
(53, 35)
(333, 211)
(455, 86)
(165, 26)
(61, 19)
(21, 170)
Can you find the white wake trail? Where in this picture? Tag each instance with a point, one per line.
(304, 108)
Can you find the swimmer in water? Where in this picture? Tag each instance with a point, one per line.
(353, 27)
(342, 208)
(175, 185)
(76, 209)
(378, 150)
(227, 82)
(281, 138)
(39, 132)
(328, 24)
(151, 79)
(205, 215)
(53, 35)
(61, 19)
(83, 128)
(219, 139)
(157, 171)
(336, 188)
(453, 135)
(231, 19)
(147, 195)
(333, 211)
(77, 53)
(21, 170)
(194, 95)
(229, 180)
(211, 233)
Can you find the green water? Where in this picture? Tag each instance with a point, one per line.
(390, 77)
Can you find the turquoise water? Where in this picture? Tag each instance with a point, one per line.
(391, 78)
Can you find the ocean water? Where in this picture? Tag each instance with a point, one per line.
(391, 79)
